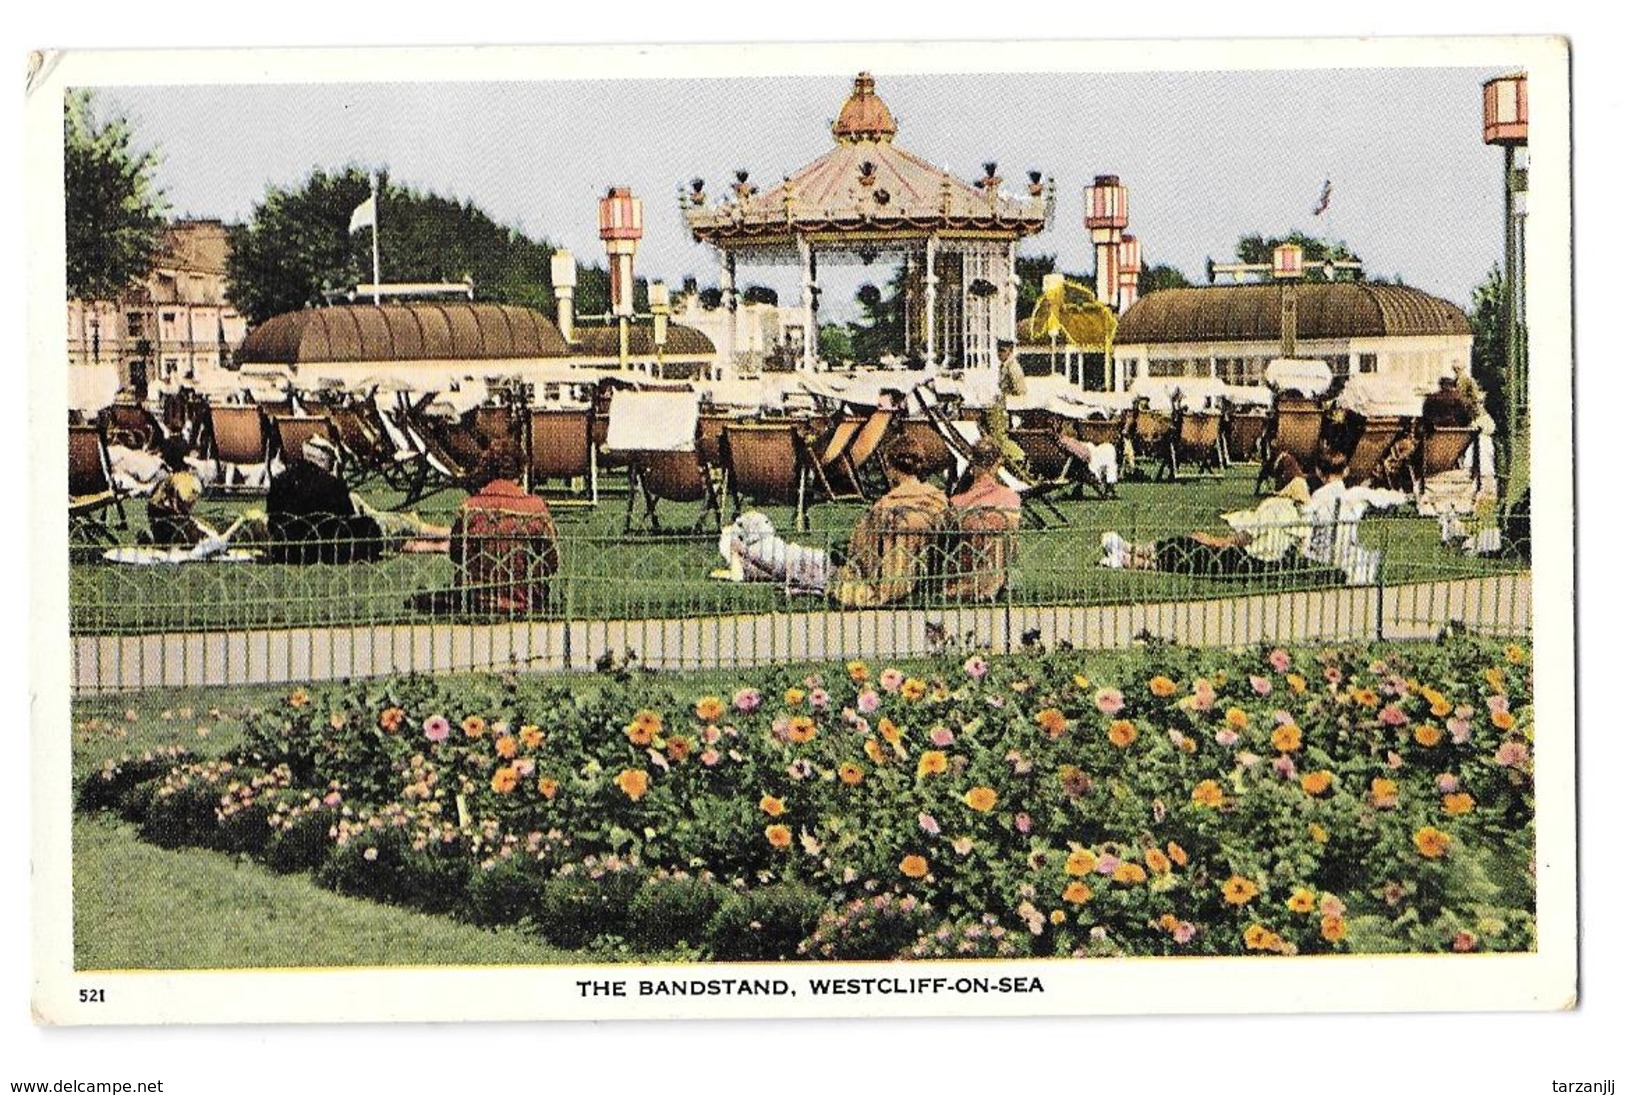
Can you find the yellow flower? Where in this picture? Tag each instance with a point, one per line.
(793, 696)
(1516, 654)
(1384, 793)
(1157, 861)
(1129, 873)
(1058, 917)
(504, 779)
(778, 835)
(857, 671)
(708, 708)
(1302, 901)
(1162, 686)
(914, 866)
(1318, 833)
(507, 748)
(1051, 721)
(1427, 735)
(1257, 937)
(1081, 681)
(889, 731)
(1296, 682)
(1496, 679)
(1207, 793)
(1122, 733)
(1287, 739)
(633, 782)
(1177, 854)
(1081, 862)
(1439, 708)
(1365, 697)
(872, 749)
(298, 698)
(1333, 929)
(1459, 803)
(1076, 893)
(532, 736)
(933, 762)
(1431, 842)
(981, 799)
(1236, 719)
(851, 773)
(1239, 890)
(771, 806)
(802, 729)
(391, 719)
(1316, 783)
(547, 787)
(912, 689)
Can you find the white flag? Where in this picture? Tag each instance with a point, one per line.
(365, 215)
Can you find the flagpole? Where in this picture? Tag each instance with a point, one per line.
(377, 281)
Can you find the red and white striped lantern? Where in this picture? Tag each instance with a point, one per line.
(1506, 110)
(1288, 262)
(1128, 272)
(1105, 207)
(620, 226)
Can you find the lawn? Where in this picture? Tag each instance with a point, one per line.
(608, 575)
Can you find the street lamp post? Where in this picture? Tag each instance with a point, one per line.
(1506, 123)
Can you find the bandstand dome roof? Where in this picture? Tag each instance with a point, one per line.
(866, 188)
(1252, 313)
(414, 331)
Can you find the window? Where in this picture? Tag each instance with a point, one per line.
(133, 322)
(1368, 363)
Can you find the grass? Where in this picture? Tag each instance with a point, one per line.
(607, 575)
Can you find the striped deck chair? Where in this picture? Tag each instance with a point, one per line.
(130, 425)
(829, 465)
(292, 431)
(1294, 428)
(239, 439)
(1440, 450)
(90, 486)
(1052, 469)
(1384, 449)
(667, 476)
(766, 463)
(1196, 440)
(558, 445)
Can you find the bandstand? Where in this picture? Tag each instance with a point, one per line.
(869, 199)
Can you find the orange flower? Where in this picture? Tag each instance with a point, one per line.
(1503, 720)
(1258, 938)
(1431, 842)
(1496, 679)
(1333, 929)
(633, 782)
(1296, 682)
(802, 729)
(1129, 873)
(981, 799)
(1167, 922)
(1057, 917)
(1384, 793)
(532, 736)
(1365, 697)
(1208, 793)
(298, 698)
(889, 731)
(872, 749)
(912, 689)
(1157, 861)
(1236, 719)
(1239, 890)
(857, 671)
(914, 866)
(1122, 733)
(1302, 901)
(1316, 783)
(504, 779)
(1438, 706)
(547, 787)
(708, 709)
(678, 747)
(645, 725)
(778, 835)
(1162, 686)
(639, 735)
(1051, 721)
(793, 696)
(507, 748)
(850, 773)
(771, 806)
(933, 762)
(1427, 735)
(1077, 893)
(474, 726)
(1459, 803)
(1287, 739)
(390, 719)
(1081, 862)
(1177, 854)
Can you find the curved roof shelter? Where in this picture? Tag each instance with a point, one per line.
(605, 342)
(1252, 313)
(415, 331)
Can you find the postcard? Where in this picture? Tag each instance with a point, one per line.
(984, 529)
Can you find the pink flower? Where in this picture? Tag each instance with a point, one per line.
(818, 698)
(929, 824)
(1185, 931)
(1108, 863)
(1334, 676)
(1447, 783)
(1512, 754)
(1283, 718)
(1332, 905)
(941, 735)
(1175, 738)
(963, 845)
(1202, 696)
(868, 701)
(1024, 822)
(710, 757)
(1460, 730)
(1284, 767)
(781, 728)
(1463, 942)
(1226, 737)
(1463, 711)
(891, 679)
(1109, 701)
(1499, 705)
(436, 728)
(747, 700)
(1247, 760)
(975, 667)
(1280, 660)
(1395, 760)
(1391, 715)
(332, 798)
(1261, 685)
(711, 735)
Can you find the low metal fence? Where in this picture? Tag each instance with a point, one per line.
(320, 603)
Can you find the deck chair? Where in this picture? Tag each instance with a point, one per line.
(1376, 459)
(708, 441)
(920, 433)
(491, 422)
(890, 557)
(1195, 439)
(1102, 431)
(238, 439)
(1051, 467)
(90, 485)
(829, 461)
(293, 431)
(130, 425)
(1294, 428)
(1152, 433)
(670, 476)
(1246, 436)
(1440, 450)
(766, 463)
(445, 453)
(558, 445)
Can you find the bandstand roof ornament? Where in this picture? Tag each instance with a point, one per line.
(867, 189)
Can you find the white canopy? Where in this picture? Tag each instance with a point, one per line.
(653, 421)
(1299, 374)
(92, 388)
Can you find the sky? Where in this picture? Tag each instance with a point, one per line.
(1207, 156)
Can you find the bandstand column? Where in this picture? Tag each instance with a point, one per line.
(931, 300)
(730, 298)
(809, 337)
(1010, 285)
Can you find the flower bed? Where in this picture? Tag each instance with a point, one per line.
(1167, 801)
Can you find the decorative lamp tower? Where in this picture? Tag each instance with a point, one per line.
(1506, 123)
(620, 226)
(1105, 214)
(1286, 267)
(564, 292)
(1128, 272)
(660, 305)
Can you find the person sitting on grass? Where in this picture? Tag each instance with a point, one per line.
(503, 541)
(1268, 535)
(988, 513)
(753, 551)
(169, 506)
(1334, 512)
(888, 551)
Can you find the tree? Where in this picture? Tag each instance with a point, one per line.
(834, 344)
(1153, 278)
(297, 247)
(1488, 321)
(880, 332)
(1257, 249)
(114, 209)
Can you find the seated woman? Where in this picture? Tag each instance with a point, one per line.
(503, 541)
(310, 515)
(169, 506)
(987, 514)
(887, 554)
(1266, 536)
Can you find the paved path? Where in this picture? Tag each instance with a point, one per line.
(1498, 604)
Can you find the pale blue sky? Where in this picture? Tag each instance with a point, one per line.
(1208, 157)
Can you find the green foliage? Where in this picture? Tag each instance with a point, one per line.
(587, 900)
(506, 891)
(386, 863)
(867, 929)
(764, 925)
(673, 911)
(1488, 319)
(835, 344)
(1153, 278)
(1257, 248)
(114, 209)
